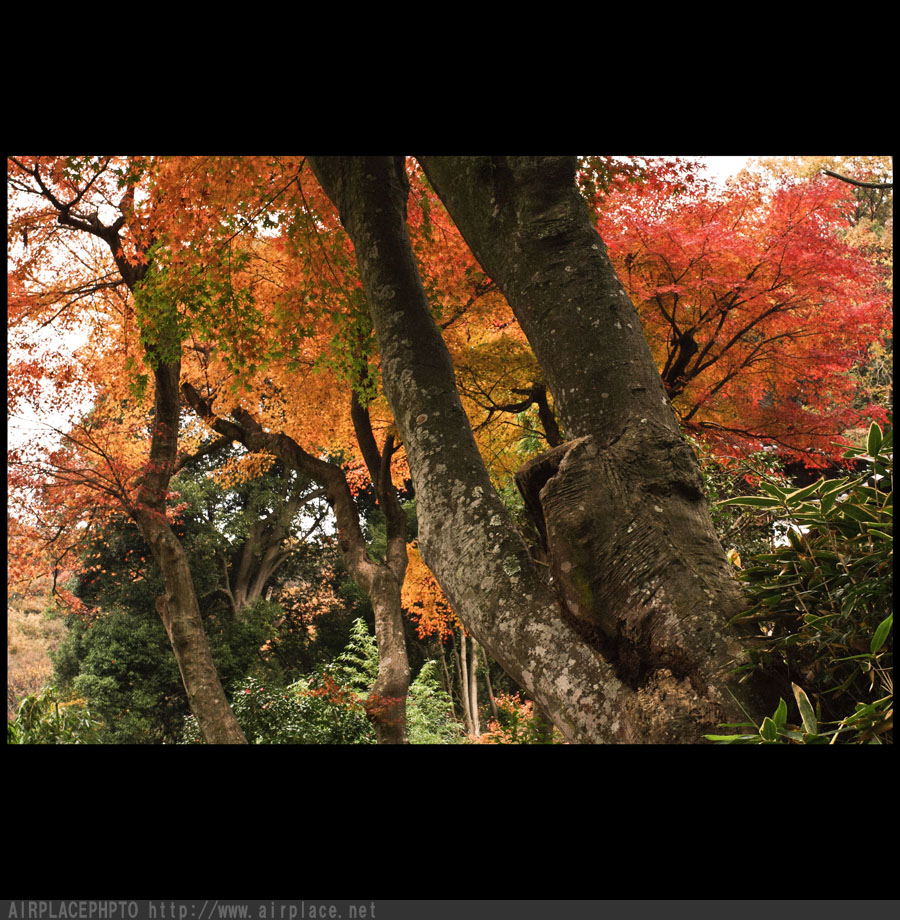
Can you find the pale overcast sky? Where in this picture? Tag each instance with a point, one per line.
(720, 168)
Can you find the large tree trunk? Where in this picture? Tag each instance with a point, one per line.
(610, 648)
(650, 581)
(178, 607)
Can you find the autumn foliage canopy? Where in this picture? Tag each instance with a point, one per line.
(755, 304)
(755, 307)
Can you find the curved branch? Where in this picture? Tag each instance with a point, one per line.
(858, 182)
(250, 433)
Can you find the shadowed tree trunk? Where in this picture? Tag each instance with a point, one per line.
(627, 641)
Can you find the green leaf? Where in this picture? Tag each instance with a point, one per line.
(873, 442)
(780, 716)
(730, 739)
(881, 633)
(793, 736)
(858, 513)
(807, 713)
(882, 535)
(768, 730)
(805, 492)
(754, 501)
(772, 489)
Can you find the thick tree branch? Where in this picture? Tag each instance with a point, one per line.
(249, 432)
(858, 182)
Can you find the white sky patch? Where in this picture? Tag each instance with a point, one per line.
(721, 168)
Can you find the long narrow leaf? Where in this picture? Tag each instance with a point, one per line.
(753, 501)
(805, 492)
(873, 442)
(807, 713)
(881, 633)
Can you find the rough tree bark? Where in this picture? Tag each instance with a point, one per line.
(649, 582)
(627, 641)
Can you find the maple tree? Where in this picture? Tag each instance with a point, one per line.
(333, 353)
(220, 305)
(309, 313)
(72, 191)
(755, 305)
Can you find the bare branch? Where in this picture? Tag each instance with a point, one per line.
(858, 182)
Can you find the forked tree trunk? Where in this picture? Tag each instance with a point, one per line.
(634, 554)
(628, 641)
(381, 581)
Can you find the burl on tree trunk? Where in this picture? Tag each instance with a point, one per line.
(624, 531)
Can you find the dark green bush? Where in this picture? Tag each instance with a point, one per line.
(326, 706)
(312, 710)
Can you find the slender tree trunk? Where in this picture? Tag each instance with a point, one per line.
(487, 683)
(178, 607)
(386, 703)
(543, 725)
(387, 700)
(464, 680)
(635, 653)
(448, 683)
(473, 687)
(180, 615)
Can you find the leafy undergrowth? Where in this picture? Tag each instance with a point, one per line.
(823, 604)
(326, 707)
(517, 723)
(47, 718)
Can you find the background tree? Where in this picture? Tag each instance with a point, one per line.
(756, 306)
(871, 230)
(116, 653)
